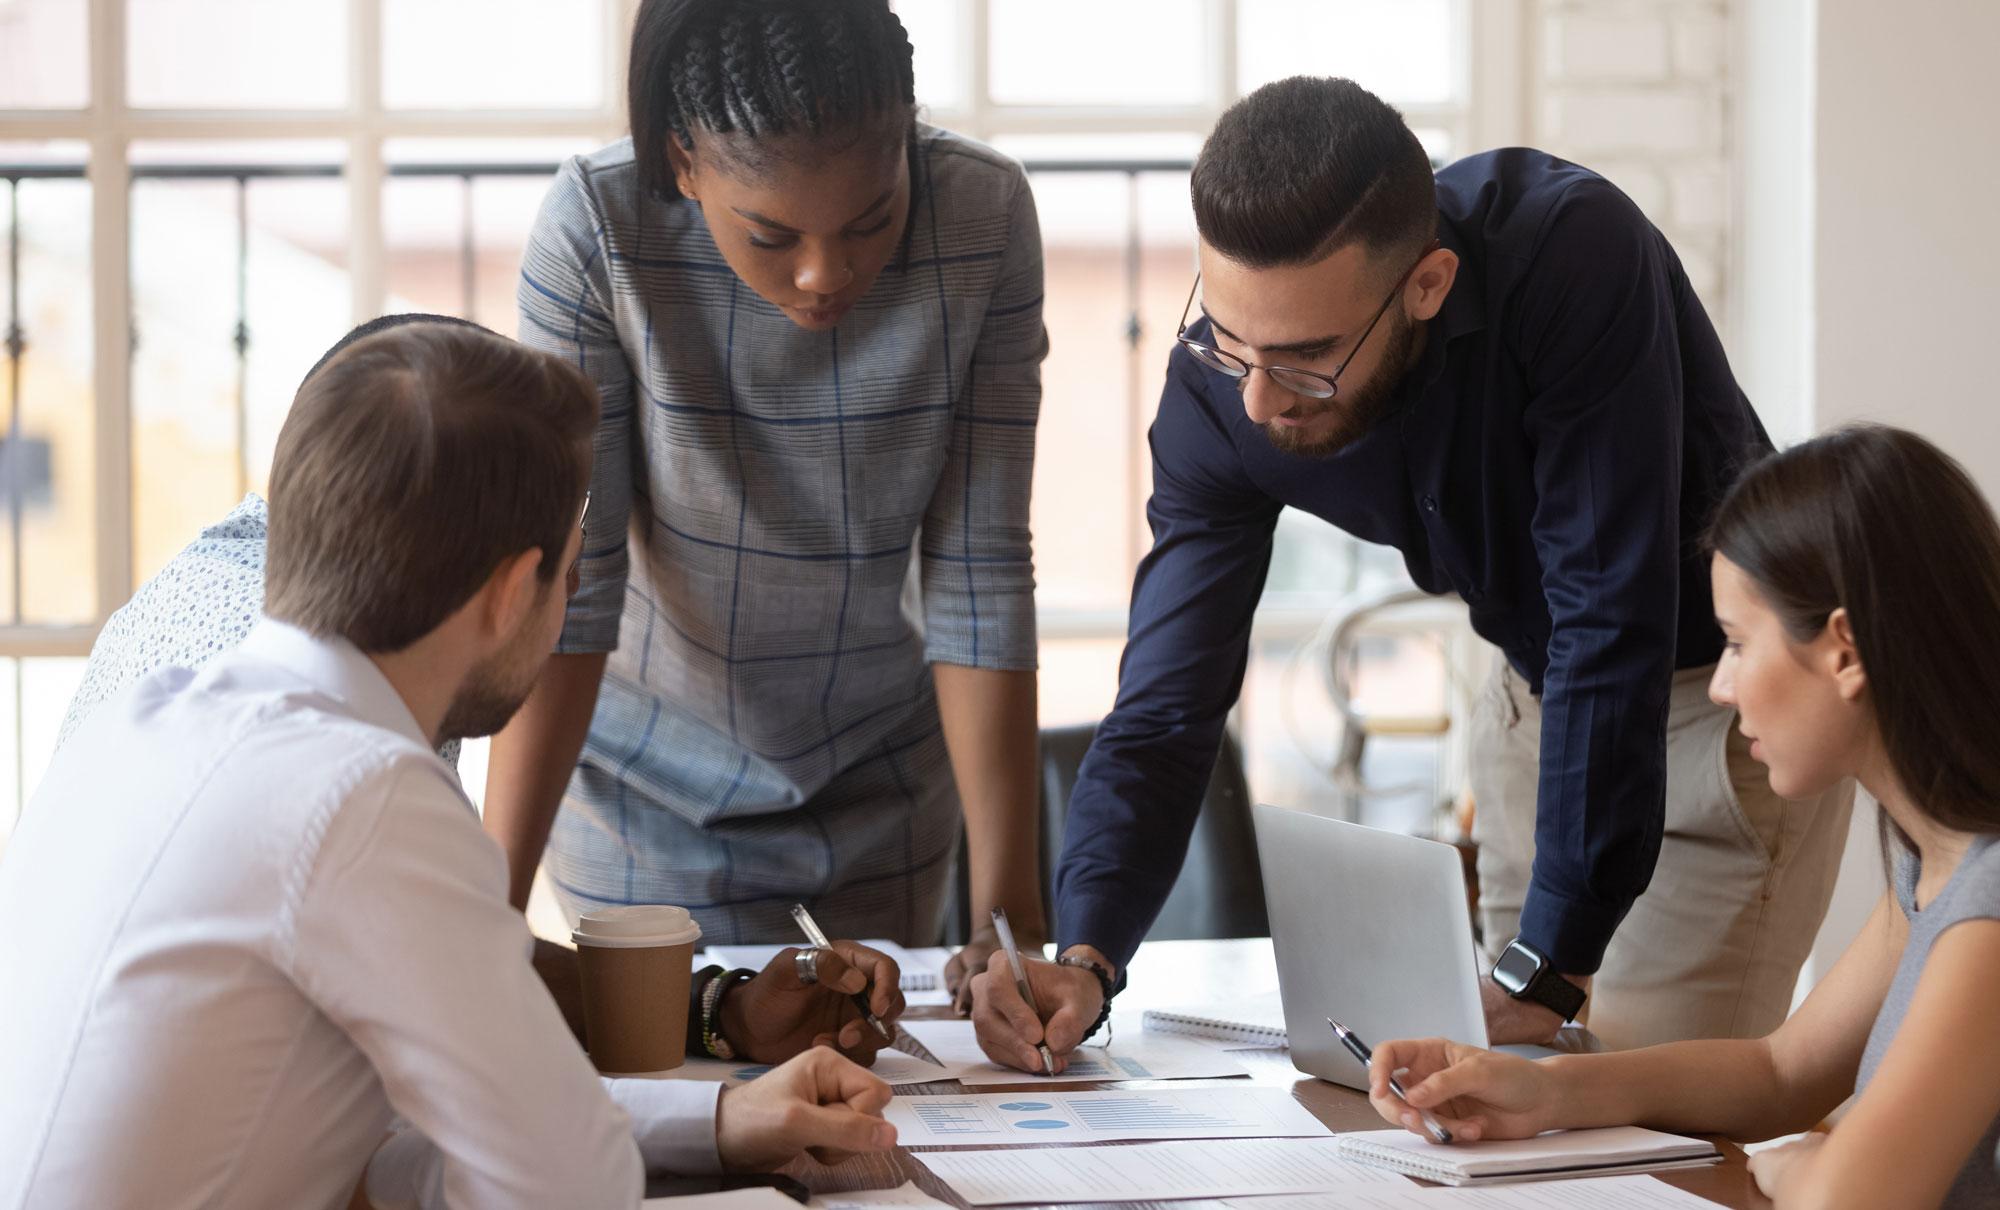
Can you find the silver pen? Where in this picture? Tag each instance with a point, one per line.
(1013, 951)
(1359, 1049)
(813, 934)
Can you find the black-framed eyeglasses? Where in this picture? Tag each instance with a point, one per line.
(1310, 383)
(573, 579)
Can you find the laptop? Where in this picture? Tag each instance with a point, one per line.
(1371, 928)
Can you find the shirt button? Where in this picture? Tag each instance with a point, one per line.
(1430, 504)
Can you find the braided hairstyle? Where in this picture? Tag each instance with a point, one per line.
(749, 70)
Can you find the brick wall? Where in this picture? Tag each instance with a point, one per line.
(1640, 90)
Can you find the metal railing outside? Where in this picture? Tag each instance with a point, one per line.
(245, 175)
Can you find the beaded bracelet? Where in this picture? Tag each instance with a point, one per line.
(697, 1007)
(712, 1040)
(1104, 982)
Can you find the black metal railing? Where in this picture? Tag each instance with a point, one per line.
(245, 175)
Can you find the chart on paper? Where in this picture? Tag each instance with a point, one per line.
(1054, 1117)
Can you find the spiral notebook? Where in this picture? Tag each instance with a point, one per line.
(1253, 1021)
(1563, 1153)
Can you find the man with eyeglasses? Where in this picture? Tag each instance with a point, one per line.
(1501, 371)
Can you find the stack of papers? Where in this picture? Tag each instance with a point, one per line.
(1239, 1168)
(1141, 1057)
(891, 1066)
(1602, 1193)
(1562, 1153)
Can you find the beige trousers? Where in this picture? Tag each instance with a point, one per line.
(1713, 948)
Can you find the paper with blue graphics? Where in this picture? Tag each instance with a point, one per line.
(1132, 1055)
(1099, 1117)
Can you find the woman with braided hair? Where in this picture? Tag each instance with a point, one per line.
(816, 326)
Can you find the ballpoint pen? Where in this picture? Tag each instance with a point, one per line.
(813, 934)
(1359, 1049)
(1006, 932)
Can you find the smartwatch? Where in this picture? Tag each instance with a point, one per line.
(1524, 973)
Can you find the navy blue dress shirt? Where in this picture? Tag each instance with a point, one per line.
(1553, 458)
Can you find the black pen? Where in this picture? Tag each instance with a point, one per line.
(1359, 1049)
(860, 998)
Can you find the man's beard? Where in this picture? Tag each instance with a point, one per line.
(1360, 410)
(492, 692)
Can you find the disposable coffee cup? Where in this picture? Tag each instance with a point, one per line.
(637, 962)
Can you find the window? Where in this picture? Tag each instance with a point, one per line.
(198, 196)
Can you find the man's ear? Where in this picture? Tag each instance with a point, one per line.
(1430, 282)
(1844, 657)
(511, 593)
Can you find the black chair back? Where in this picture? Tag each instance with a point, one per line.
(1220, 891)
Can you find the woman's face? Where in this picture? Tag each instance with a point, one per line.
(1802, 705)
(808, 229)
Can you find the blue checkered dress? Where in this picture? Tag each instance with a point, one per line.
(786, 528)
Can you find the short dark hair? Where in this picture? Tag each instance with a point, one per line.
(1881, 523)
(762, 68)
(412, 464)
(1303, 167)
(383, 323)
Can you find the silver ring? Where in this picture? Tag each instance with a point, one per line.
(806, 963)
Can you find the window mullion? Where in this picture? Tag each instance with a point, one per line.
(977, 47)
(367, 258)
(111, 304)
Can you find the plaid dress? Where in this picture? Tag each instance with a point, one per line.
(786, 529)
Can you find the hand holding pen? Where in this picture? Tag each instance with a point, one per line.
(1359, 1049)
(819, 941)
(1013, 953)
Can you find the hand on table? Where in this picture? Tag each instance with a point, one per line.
(1476, 1094)
(972, 958)
(1772, 1166)
(1008, 1030)
(1510, 1021)
(774, 1016)
(818, 1103)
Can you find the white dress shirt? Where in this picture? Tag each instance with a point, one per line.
(250, 918)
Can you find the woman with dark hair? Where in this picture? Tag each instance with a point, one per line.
(816, 325)
(1857, 581)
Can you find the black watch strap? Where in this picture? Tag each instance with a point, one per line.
(1557, 994)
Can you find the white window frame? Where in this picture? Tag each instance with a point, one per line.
(1491, 58)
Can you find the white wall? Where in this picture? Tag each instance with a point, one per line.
(1771, 346)
(1869, 288)
(1907, 291)
(1640, 91)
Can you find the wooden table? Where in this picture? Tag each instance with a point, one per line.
(1177, 972)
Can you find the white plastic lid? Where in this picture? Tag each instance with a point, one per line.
(636, 926)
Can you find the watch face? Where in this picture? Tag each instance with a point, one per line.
(1516, 969)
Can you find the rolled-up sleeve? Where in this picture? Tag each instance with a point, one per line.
(565, 303)
(977, 566)
(1604, 420)
(1140, 787)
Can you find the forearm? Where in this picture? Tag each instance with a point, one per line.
(1601, 802)
(531, 761)
(1727, 1087)
(989, 720)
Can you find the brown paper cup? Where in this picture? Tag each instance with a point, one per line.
(636, 964)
